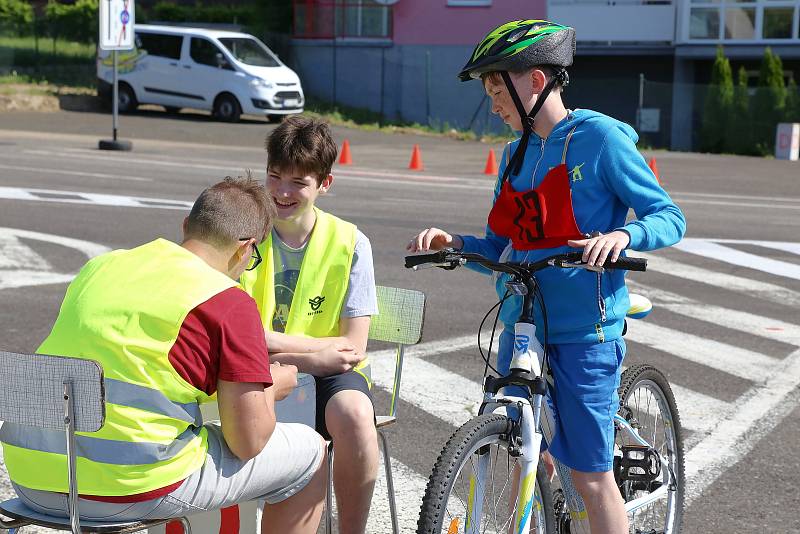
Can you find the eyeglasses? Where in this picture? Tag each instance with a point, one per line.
(255, 258)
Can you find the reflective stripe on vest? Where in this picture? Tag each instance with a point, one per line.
(125, 310)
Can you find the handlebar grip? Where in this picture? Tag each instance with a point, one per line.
(629, 264)
(421, 259)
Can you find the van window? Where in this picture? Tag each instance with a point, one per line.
(204, 51)
(250, 51)
(159, 44)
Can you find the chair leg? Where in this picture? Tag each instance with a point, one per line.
(329, 493)
(387, 464)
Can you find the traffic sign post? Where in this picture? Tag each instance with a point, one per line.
(116, 33)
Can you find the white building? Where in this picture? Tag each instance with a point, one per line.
(673, 44)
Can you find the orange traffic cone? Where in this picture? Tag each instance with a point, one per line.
(416, 160)
(654, 168)
(491, 164)
(345, 158)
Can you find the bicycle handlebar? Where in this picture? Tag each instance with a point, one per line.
(450, 259)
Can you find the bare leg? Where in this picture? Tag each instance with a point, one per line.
(300, 513)
(604, 504)
(351, 423)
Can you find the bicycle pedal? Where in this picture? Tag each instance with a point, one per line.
(639, 463)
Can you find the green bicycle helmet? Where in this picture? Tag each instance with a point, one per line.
(519, 45)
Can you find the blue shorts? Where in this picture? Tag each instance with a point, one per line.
(583, 401)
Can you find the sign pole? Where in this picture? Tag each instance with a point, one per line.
(115, 107)
(116, 33)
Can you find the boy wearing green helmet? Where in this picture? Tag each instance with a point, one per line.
(568, 181)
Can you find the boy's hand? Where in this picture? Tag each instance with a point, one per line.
(333, 360)
(284, 379)
(434, 239)
(597, 249)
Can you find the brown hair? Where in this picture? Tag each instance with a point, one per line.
(495, 77)
(230, 210)
(302, 144)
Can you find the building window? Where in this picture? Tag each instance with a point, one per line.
(328, 19)
(704, 23)
(740, 23)
(742, 20)
(778, 22)
(469, 3)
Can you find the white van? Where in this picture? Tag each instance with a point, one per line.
(227, 73)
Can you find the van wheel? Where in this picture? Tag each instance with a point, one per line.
(226, 108)
(126, 99)
(172, 110)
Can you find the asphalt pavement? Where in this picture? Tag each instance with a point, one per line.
(725, 326)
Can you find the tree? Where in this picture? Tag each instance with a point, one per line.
(740, 140)
(718, 105)
(792, 113)
(769, 102)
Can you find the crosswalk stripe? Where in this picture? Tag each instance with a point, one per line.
(759, 410)
(409, 487)
(720, 356)
(756, 325)
(727, 254)
(454, 399)
(755, 288)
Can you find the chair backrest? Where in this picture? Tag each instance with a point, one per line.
(32, 392)
(402, 313)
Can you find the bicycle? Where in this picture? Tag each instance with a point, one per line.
(490, 466)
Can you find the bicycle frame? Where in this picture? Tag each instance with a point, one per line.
(531, 434)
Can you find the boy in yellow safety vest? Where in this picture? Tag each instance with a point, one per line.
(315, 291)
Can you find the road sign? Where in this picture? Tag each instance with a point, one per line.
(116, 24)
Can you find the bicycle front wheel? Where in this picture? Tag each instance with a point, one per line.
(647, 403)
(477, 455)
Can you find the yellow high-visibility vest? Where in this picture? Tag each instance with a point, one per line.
(321, 287)
(125, 310)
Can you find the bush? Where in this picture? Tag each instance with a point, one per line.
(792, 102)
(16, 15)
(73, 22)
(221, 14)
(718, 106)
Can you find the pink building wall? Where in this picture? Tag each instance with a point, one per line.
(433, 22)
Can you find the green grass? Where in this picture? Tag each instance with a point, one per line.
(56, 62)
(21, 52)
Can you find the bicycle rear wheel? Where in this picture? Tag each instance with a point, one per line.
(445, 504)
(647, 403)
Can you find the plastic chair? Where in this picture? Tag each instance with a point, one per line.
(400, 320)
(61, 395)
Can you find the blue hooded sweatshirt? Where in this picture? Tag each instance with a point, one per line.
(607, 176)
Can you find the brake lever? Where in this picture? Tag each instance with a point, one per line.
(447, 265)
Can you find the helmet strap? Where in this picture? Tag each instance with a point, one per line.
(527, 122)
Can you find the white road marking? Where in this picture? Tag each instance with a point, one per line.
(704, 202)
(756, 325)
(758, 412)
(777, 245)
(720, 356)
(755, 288)
(710, 249)
(98, 199)
(43, 170)
(20, 266)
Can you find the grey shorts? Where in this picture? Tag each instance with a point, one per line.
(290, 459)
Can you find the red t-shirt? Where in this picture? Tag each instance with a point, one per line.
(221, 339)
